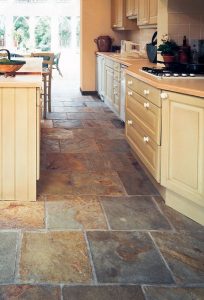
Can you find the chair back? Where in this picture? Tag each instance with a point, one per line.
(48, 59)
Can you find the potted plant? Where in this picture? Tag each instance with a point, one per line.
(168, 49)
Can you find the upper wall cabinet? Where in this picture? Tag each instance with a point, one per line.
(119, 19)
(147, 12)
(131, 9)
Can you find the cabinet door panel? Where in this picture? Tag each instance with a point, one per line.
(183, 147)
(153, 11)
(143, 12)
(109, 84)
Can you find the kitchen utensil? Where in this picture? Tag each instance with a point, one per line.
(151, 49)
(8, 66)
(104, 43)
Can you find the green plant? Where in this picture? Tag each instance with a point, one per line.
(168, 46)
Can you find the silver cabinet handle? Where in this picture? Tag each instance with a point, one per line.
(129, 82)
(130, 93)
(129, 122)
(164, 96)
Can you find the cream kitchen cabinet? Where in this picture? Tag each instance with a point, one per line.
(118, 14)
(19, 140)
(143, 123)
(112, 85)
(147, 12)
(182, 164)
(131, 9)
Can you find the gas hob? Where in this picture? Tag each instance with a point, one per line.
(168, 73)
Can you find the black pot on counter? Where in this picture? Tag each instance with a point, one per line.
(151, 49)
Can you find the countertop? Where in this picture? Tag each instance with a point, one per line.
(194, 86)
(21, 81)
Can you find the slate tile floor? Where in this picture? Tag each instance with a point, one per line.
(99, 229)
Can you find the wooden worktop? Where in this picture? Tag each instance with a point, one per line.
(194, 86)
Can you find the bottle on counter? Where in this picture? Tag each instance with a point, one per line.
(194, 55)
(184, 52)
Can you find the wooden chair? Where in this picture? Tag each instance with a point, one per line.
(48, 59)
(56, 63)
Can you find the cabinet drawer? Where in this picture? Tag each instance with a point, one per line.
(109, 63)
(143, 145)
(149, 92)
(147, 114)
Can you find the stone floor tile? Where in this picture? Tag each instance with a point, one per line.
(137, 183)
(54, 257)
(54, 183)
(97, 124)
(113, 145)
(80, 116)
(49, 145)
(82, 212)
(68, 124)
(98, 163)
(173, 293)
(95, 104)
(179, 221)
(21, 215)
(126, 257)
(102, 293)
(46, 124)
(184, 253)
(56, 133)
(79, 109)
(56, 116)
(29, 292)
(79, 145)
(67, 161)
(97, 183)
(118, 123)
(74, 104)
(8, 242)
(133, 213)
(120, 161)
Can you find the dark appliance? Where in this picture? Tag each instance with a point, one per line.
(104, 43)
(151, 49)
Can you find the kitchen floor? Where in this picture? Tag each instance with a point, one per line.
(99, 229)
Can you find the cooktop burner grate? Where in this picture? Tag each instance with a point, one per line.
(166, 73)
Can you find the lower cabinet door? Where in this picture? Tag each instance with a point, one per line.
(183, 146)
(143, 145)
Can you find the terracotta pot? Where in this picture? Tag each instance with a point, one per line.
(168, 58)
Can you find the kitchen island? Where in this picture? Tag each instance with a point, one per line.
(20, 136)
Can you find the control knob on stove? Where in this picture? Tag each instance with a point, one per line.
(176, 74)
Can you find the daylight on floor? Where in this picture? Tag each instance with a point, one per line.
(101, 189)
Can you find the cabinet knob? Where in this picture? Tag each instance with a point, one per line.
(129, 122)
(146, 139)
(146, 105)
(130, 93)
(146, 92)
(129, 82)
(164, 95)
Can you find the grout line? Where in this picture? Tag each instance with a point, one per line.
(163, 259)
(143, 291)
(161, 211)
(18, 256)
(61, 291)
(105, 216)
(95, 281)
